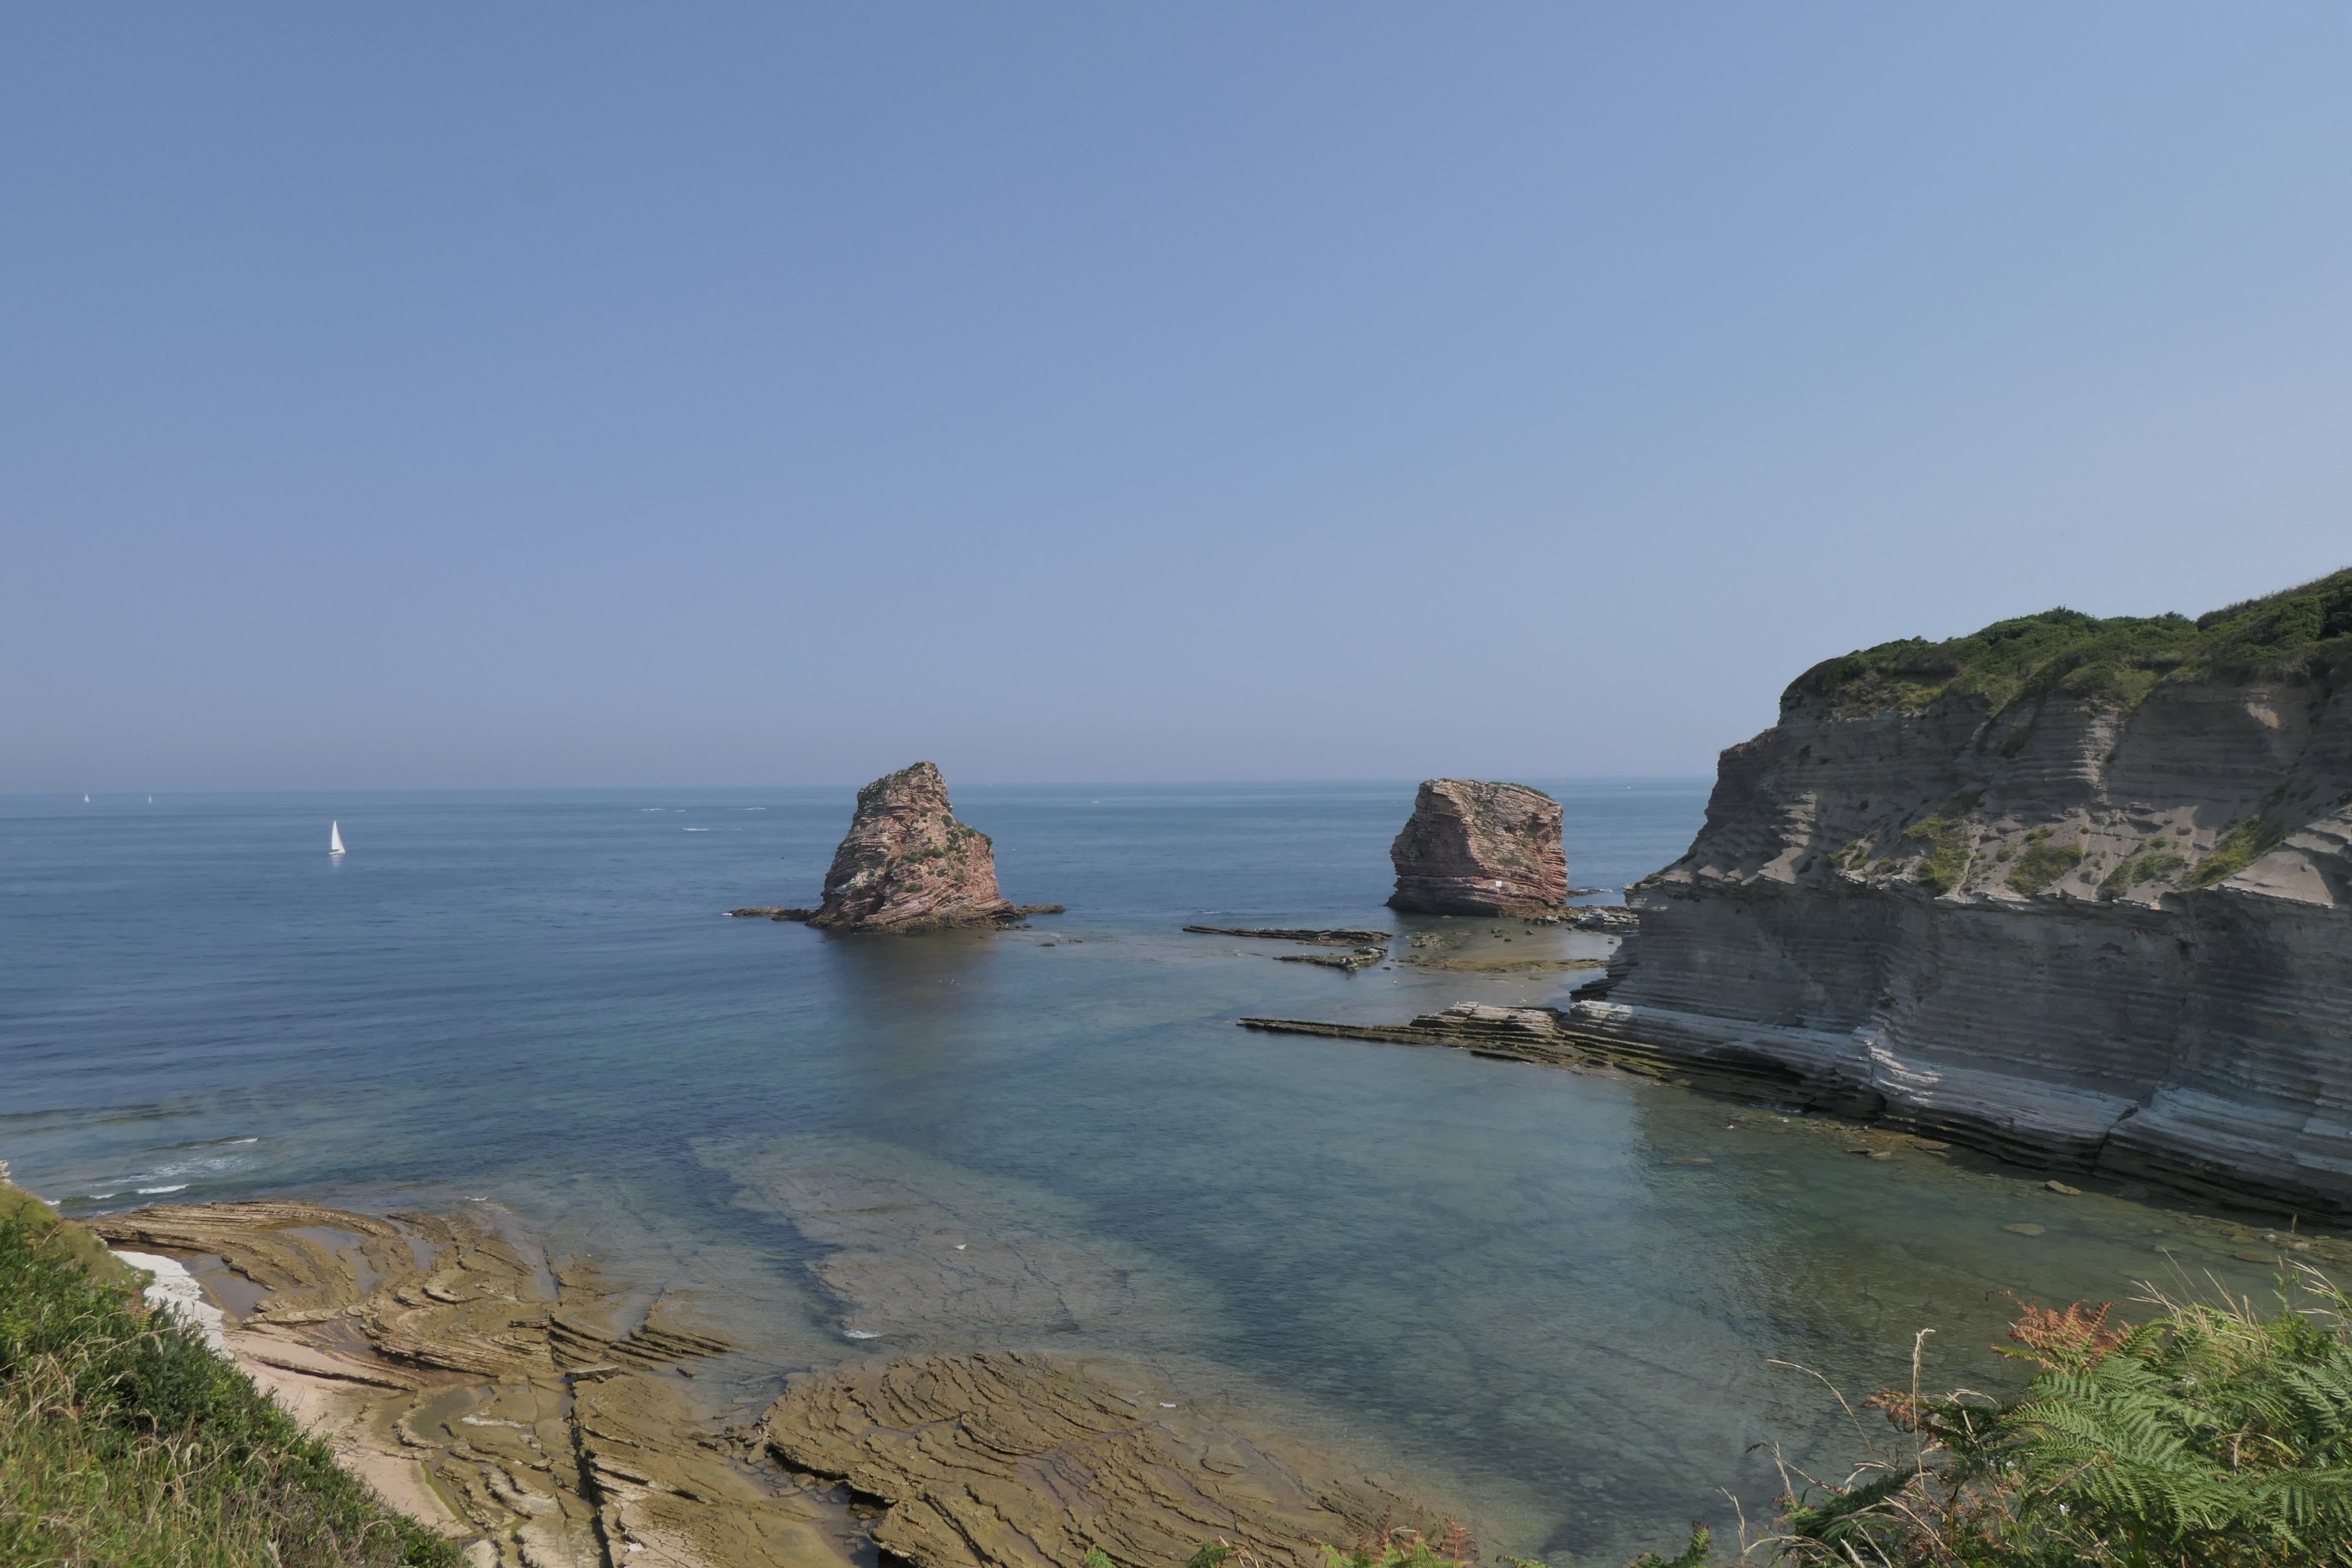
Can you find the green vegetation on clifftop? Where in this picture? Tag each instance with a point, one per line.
(2117, 661)
(125, 1441)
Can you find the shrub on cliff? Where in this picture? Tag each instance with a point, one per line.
(124, 1440)
(2116, 661)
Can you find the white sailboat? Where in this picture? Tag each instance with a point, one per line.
(334, 839)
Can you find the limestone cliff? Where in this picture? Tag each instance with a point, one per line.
(2076, 890)
(906, 864)
(1476, 849)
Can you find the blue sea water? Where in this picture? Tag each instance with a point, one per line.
(1552, 1300)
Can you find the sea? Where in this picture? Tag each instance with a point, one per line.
(1579, 1310)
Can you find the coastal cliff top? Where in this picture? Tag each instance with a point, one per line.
(2117, 660)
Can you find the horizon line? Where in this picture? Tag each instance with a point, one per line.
(1410, 781)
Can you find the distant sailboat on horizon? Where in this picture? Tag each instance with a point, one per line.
(334, 839)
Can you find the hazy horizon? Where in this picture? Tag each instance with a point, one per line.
(604, 398)
(845, 786)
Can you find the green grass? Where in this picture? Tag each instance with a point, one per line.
(2245, 844)
(2155, 864)
(2209, 1436)
(2042, 864)
(1950, 837)
(125, 1442)
(2114, 662)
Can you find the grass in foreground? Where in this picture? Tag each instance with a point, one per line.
(125, 1442)
(2209, 1436)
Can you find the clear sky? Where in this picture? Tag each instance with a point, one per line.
(535, 394)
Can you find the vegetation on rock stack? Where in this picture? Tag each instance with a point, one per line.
(2117, 660)
(124, 1440)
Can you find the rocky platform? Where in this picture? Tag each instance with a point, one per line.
(2078, 892)
(1337, 936)
(908, 864)
(548, 1418)
(1009, 1460)
(1476, 849)
(523, 1406)
(1546, 1035)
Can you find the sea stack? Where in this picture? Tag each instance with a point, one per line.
(906, 864)
(1477, 848)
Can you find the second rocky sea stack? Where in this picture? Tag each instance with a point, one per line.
(1473, 848)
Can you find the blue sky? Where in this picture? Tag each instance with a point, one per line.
(528, 395)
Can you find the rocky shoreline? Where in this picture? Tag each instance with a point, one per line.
(547, 1416)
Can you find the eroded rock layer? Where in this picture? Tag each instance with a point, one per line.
(906, 864)
(2074, 891)
(1476, 849)
(1020, 1460)
(528, 1409)
(545, 1415)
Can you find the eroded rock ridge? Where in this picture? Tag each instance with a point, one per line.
(1476, 849)
(2073, 890)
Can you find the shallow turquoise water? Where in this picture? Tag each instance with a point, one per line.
(1518, 1288)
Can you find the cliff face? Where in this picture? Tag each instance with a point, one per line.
(1477, 848)
(906, 864)
(2077, 891)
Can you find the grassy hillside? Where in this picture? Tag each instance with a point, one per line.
(124, 1442)
(2120, 659)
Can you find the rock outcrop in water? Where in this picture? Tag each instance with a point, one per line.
(2073, 890)
(1478, 849)
(906, 864)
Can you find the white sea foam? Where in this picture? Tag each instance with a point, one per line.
(175, 1187)
(697, 830)
(175, 1294)
(858, 1334)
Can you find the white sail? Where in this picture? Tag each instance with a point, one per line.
(334, 839)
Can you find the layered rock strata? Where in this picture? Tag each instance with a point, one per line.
(906, 864)
(1476, 849)
(1021, 1460)
(1338, 936)
(541, 1415)
(2078, 892)
(525, 1408)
